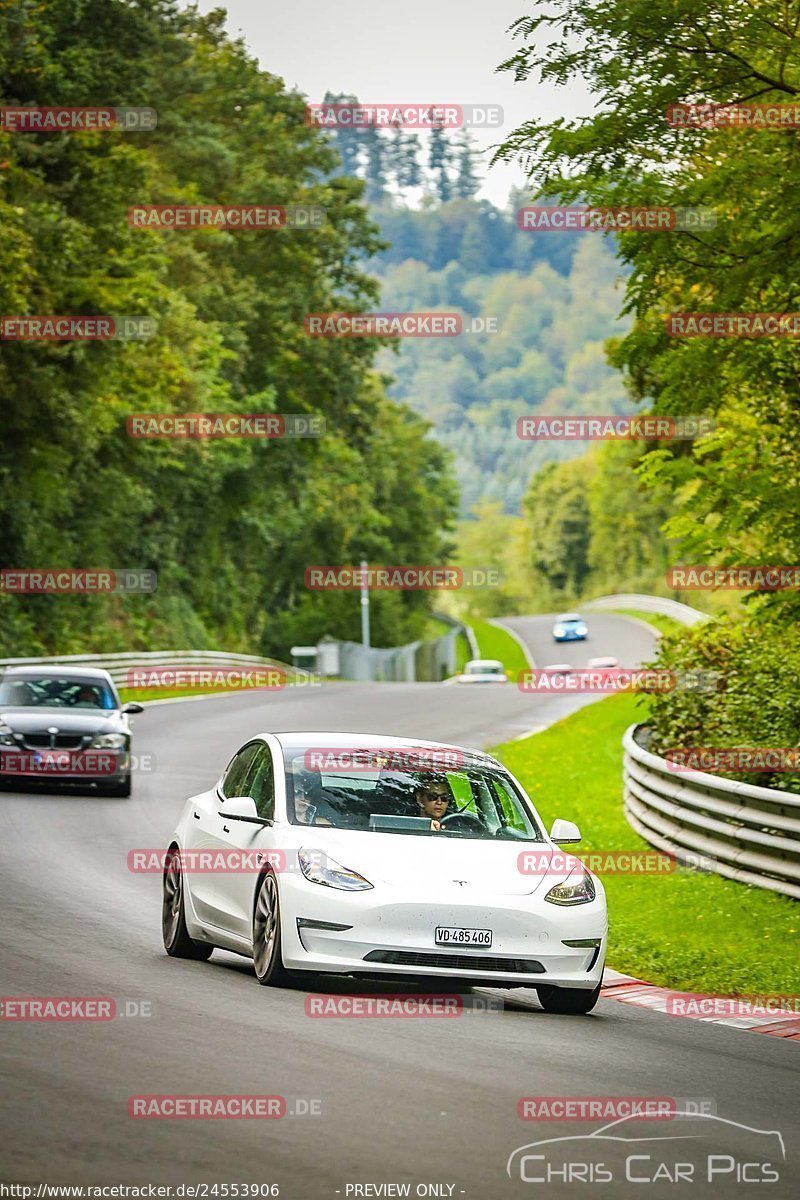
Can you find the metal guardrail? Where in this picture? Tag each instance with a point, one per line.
(118, 665)
(655, 604)
(744, 832)
(430, 660)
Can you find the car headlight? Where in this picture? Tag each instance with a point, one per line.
(558, 631)
(6, 736)
(579, 892)
(109, 741)
(331, 874)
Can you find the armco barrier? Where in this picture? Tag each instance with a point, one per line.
(747, 833)
(118, 665)
(434, 659)
(654, 604)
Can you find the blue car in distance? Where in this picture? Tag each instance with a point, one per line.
(570, 627)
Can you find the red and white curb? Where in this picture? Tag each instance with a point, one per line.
(628, 990)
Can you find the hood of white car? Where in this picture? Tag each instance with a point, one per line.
(431, 859)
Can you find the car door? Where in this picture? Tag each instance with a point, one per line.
(254, 841)
(204, 833)
(236, 887)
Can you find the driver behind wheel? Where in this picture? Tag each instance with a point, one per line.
(312, 802)
(433, 800)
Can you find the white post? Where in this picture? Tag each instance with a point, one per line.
(364, 606)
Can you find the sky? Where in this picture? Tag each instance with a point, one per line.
(418, 51)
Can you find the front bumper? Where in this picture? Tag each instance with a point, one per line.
(76, 767)
(390, 935)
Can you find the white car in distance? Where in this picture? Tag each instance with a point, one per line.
(483, 670)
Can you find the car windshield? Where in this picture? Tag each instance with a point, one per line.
(483, 669)
(376, 791)
(49, 692)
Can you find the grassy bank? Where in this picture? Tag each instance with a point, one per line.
(684, 929)
(657, 620)
(494, 642)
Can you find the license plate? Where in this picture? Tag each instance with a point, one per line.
(451, 935)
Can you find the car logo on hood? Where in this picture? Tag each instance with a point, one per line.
(52, 729)
(460, 882)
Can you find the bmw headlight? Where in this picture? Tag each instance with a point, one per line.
(6, 736)
(109, 741)
(330, 873)
(578, 891)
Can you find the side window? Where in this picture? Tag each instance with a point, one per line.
(261, 784)
(236, 774)
(511, 815)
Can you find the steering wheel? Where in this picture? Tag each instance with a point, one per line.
(467, 820)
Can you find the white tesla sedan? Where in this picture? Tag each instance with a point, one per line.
(380, 857)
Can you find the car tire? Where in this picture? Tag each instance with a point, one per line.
(567, 1000)
(177, 942)
(267, 951)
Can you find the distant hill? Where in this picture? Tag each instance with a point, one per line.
(556, 298)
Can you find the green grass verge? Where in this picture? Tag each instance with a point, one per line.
(169, 693)
(657, 620)
(497, 643)
(686, 930)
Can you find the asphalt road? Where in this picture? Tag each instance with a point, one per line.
(418, 1102)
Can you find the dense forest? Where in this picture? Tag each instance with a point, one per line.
(229, 526)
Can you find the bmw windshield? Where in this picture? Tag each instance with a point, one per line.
(49, 692)
(398, 792)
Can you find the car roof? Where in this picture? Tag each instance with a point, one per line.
(485, 662)
(303, 738)
(54, 671)
(570, 617)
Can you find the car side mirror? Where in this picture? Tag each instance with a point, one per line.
(133, 707)
(242, 808)
(564, 831)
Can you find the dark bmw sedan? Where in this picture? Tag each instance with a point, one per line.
(65, 725)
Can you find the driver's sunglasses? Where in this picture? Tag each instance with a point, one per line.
(443, 796)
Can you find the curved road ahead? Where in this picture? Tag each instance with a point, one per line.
(402, 1101)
